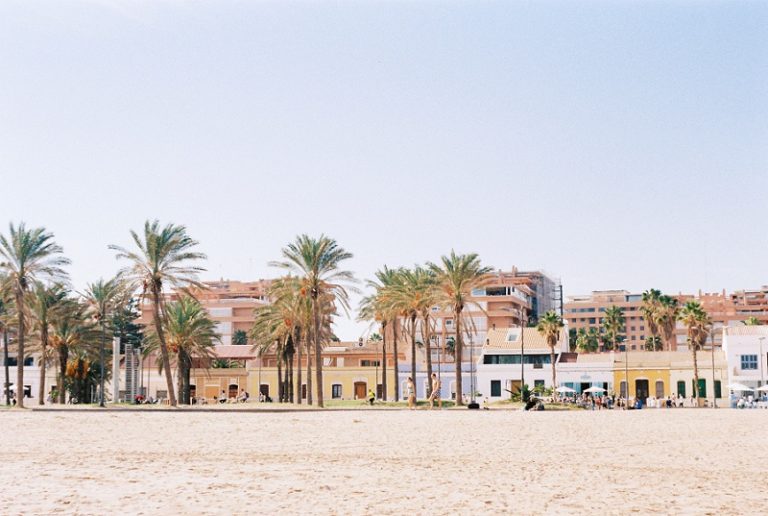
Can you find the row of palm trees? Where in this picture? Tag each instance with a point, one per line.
(37, 303)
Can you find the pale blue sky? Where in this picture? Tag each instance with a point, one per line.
(613, 144)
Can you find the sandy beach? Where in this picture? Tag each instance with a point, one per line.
(383, 462)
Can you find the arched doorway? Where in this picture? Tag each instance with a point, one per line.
(232, 390)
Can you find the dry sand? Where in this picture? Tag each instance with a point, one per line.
(384, 462)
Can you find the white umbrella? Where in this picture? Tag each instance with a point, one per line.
(565, 389)
(763, 388)
(739, 387)
(595, 389)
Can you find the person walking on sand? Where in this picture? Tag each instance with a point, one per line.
(411, 391)
(371, 396)
(435, 395)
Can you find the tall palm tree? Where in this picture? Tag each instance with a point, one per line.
(614, 325)
(698, 325)
(456, 277)
(317, 262)
(5, 320)
(370, 310)
(104, 298)
(163, 258)
(413, 294)
(191, 335)
(384, 285)
(649, 309)
(665, 318)
(71, 329)
(26, 256)
(44, 302)
(550, 326)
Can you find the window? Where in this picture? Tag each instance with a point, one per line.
(592, 320)
(702, 387)
(642, 328)
(336, 391)
(681, 388)
(538, 385)
(659, 389)
(495, 388)
(623, 389)
(718, 389)
(370, 363)
(749, 362)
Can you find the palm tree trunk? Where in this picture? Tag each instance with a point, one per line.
(395, 362)
(298, 370)
(63, 356)
(163, 347)
(412, 331)
(7, 386)
(309, 373)
(554, 370)
(458, 352)
(318, 351)
(280, 387)
(43, 357)
(180, 378)
(428, 351)
(290, 380)
(20, 354)
(384, 361)
(696, 376)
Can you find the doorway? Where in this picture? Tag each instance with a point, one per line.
(232, 390)
(360, 390)
(641, 390)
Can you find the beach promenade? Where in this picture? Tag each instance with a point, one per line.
(383, 462)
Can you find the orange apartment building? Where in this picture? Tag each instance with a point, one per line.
(508, 299)
(724, 309)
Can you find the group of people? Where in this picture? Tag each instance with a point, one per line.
(743, 402)
(410, 389)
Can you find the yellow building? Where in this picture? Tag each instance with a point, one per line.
(349, 371)
(668, 373)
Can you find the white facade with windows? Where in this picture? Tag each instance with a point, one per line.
(746, 351)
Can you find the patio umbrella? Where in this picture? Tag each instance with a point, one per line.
(763, 388)
(564, 389)
(595, 389)
(739, 387)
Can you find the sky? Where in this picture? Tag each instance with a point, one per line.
(610, 144)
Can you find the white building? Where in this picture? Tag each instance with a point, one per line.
(746, 351)
(511, 353)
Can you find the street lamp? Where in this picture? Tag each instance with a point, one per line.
(762, 359)
(712, 340)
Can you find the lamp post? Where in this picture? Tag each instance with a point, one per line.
(712, 340)
(522, 353)
(762, 359)
(101, 360)
(377, 376)
(626, 374)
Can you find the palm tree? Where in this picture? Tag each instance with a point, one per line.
(43, 304)
(370, 310)
(753, 321)
(653, 343)
(614, 325)
(456, 277)
(162, 259)
(698, 325)
(5, 319)
(317, 261)
(104, 298)
(71, 329)
(588, 341)
(190, 334)
(384, 284)
(550, 326)
(240, 338)
(649, 309)
(665, 318)
(27, 255)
